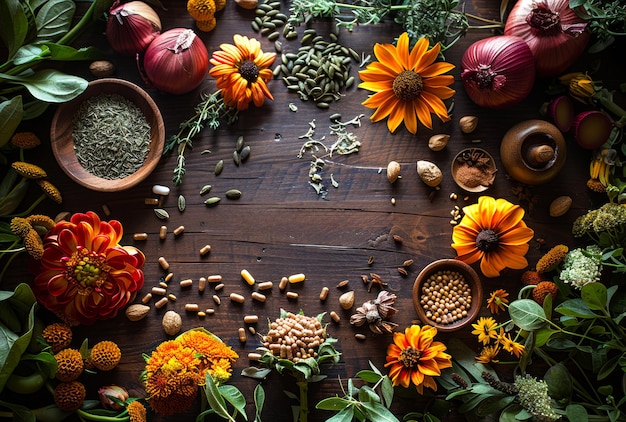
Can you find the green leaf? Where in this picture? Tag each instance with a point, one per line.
(13, 25)
(51, 85)
(256, 373)
(333, 403)
(369, 376)
(345, 415)
(575, 307)
(609, 366)
(11, 114)
(576, 413)
(527, 314)
(54, 19)
(559, 382)
(379, 413)
(386, 389)
(235, 397)
(259, 402)
(215, 399)
(493, 405)
(594, 295)
(562, 344)
(543, 335)
(367, 394)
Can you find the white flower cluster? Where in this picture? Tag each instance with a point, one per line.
(582, 266)
(533, 396)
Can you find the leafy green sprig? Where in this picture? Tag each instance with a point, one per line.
(209, 112)
(438, 20)
(607, 20)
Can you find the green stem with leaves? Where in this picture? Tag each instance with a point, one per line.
(303, 414)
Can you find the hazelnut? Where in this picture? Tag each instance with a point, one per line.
(438, 142)
(468, 124)
(102, 68)
(172, 323)
(429, 173)
(137, 311)
(393, 171)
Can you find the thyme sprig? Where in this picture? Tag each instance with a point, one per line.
(440, 21)
(607, 20)
(209, 112)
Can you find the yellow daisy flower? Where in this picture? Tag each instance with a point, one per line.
(485, 329)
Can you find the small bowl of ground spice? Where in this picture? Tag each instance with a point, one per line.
(110, 137)
(474, 169)
(447, 294)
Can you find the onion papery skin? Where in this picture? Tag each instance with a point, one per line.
(556, 46)
(176, 62)
(131, 27)
(498, 71)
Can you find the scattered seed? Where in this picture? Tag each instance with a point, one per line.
(163, 232)
(245, 153)
(205, 249)
(191, 307)
(178, 230)
(205, 189)
(146, 298)
(201, 314)
(106, 210)
(161, 214)
(140, 236)
(403, 271)
(342, 284)
(233, 194)
(393, 201)
(324, 293)
(292, 295)
(252, 330)
(397, 238)
(161, 302)
(236, 158)
(218, 170)
(214, 200)
(181, 203)
(360, 336)
(163, 263)
(235, 297)
(168, 277)
(171, 297)
(217, 299)
(163, 284)
(186, 283)
(219, 287)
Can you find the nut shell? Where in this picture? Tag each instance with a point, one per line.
(429, 173)
(247, 4)
(137, 311)
(438, 142)
(393, 171)
(102, 68)
(560, 206)
(172, 323)
(346, 300)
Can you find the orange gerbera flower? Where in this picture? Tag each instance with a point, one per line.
(84, 274)
(407, 86)
(493, 232)
(497, 300)
(242, 72)
(415, 358)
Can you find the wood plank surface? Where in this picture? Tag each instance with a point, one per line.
(281, 226)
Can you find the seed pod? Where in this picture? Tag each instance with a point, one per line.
(214, 200)
(161, 214)
(181, 203)
(233, 194)
(346, 300)
(172, 323)
(218, 169)
(205, 189)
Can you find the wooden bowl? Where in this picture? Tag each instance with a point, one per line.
(471, 279)
(62, 141)
(489, 170)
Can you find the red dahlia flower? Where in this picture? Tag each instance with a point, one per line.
(85, 275)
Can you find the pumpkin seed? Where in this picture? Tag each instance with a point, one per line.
(273, 36)
(161, 214)
(245, 153)
(214, 200)
(205, 189)
(219, 167)
(255, 26)
(181, 203)
(236, 158)
(233, 194)
(239, 143)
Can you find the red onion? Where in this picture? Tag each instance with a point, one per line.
(556, 35)
(176, 61)
(131, 27)
(498, 71)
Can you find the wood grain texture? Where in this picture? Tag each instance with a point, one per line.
(281, 226)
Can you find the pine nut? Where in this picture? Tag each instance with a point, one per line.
(324, 293)
(335, 317)
(163, 232)
(217, 299)
(235, 297)
(245, 274)
(161, 302)
(360, 336)
(252, 330)
(106, 210)
(201, 314)
(219, 287)
(210, 311)
(296, 278)
(258, 296)
(242, 335)
(171, 297)
(146, 298)
(186, 283)
(168, 277)
(214, 278)
(254, 356)
(178, 230)
(163, 284)
(140, 236)
(291, 295)
(163, 263)
(205, 249)
(251, 319)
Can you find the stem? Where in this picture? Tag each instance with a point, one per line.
(88, 416)
(82, 24)
(304, 401)
(31, 208)
(493, 23)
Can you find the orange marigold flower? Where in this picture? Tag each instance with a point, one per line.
(408, 85)
(105, 355)
(215, 356)
(552, 258)
(242, 72)
(25, 140)
(497, 301)
(485, 329)
(531, 277)
(85, 275)
(492, 231)
(58, 335)
(136, 411)
(69, 396)
(488, 354)
(414, 358)
(69, 365)
(544, 289)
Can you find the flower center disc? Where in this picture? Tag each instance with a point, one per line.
(249, 71)
(87, 269)
(410, 357)
(408, 85)
(487, 240)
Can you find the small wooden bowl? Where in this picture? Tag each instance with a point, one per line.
(472, 280)
(457, 163)
(62, 141)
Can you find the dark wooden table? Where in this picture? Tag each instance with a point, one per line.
(281, 226)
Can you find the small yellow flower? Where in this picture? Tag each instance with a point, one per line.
(488, 354)
(485, 329)
(497, 301)
(50, 190)
(69, 365)
(580, 85)
(33, 244)
(201, 9)
(28, 170)
(551, 259)
(105, 355)
(509, 344)
(20, 226)
(136, 411)
(41, 220)
(25, 140)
